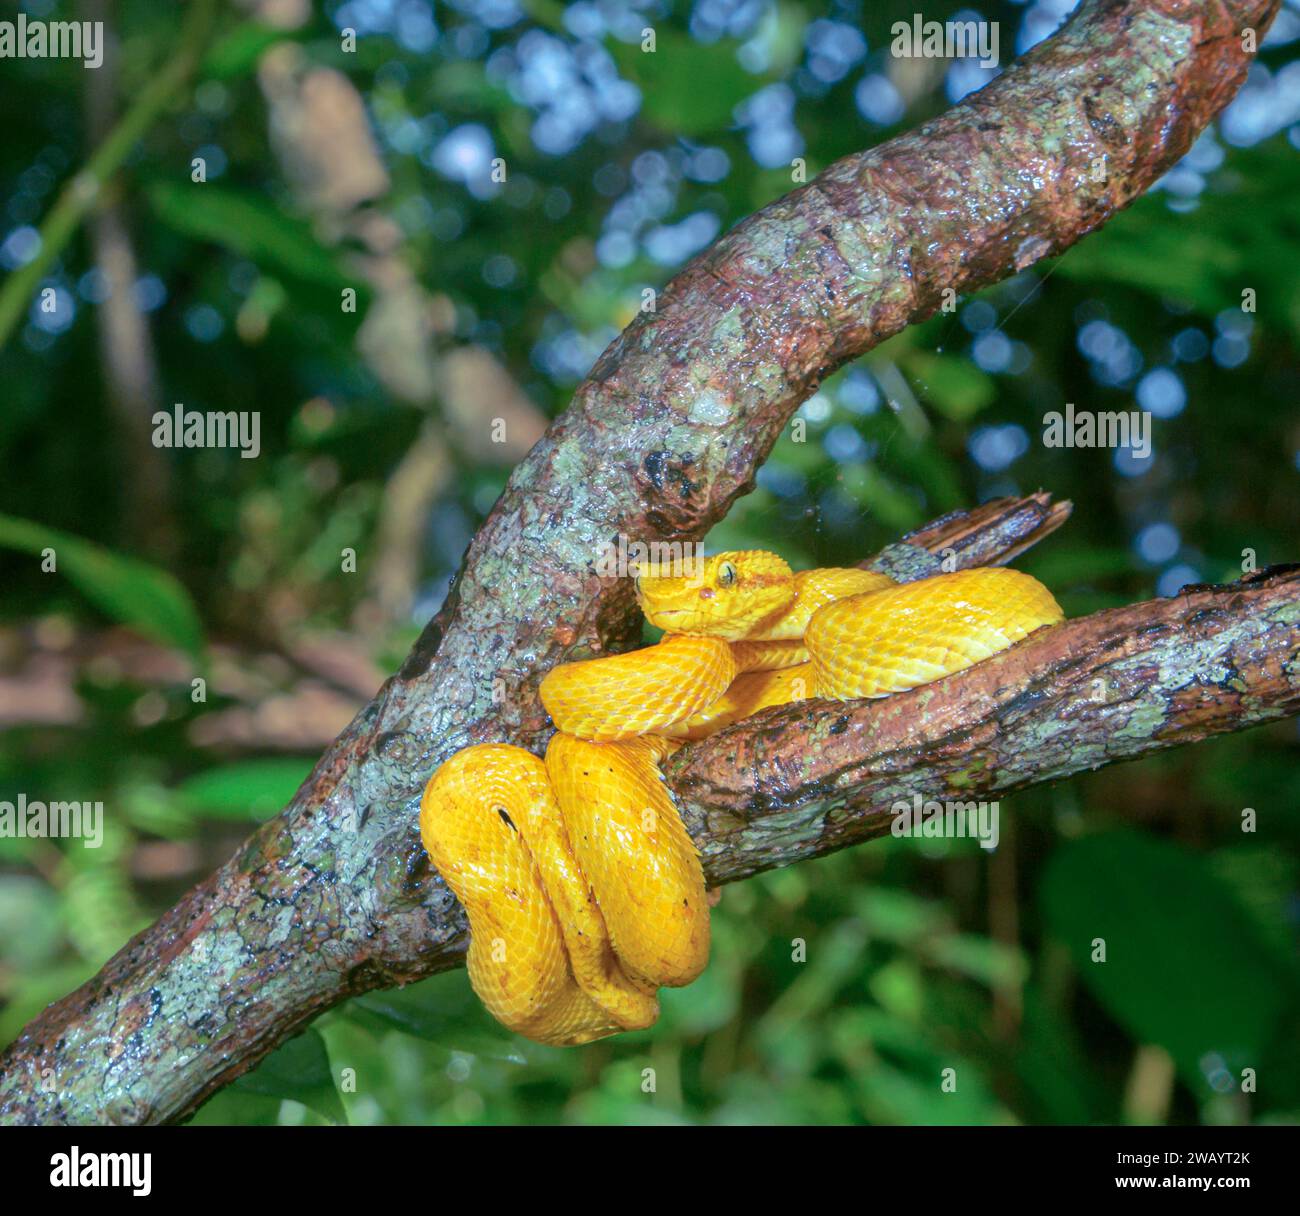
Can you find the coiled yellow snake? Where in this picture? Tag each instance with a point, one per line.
(584, 892)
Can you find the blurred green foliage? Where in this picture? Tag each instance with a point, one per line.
(913, 957)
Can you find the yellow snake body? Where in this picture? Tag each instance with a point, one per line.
(584, 892)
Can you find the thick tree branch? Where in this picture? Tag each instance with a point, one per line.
(332, 897)
(808, 779)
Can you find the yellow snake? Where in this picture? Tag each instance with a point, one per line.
(584, 892)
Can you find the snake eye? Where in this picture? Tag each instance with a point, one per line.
(726, 574)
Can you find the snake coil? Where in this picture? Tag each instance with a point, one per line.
(585, 895)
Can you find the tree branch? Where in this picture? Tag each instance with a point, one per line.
(808, 779)
(333, 896)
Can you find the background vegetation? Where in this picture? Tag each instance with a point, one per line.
(481, 299)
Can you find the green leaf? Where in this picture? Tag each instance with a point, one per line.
(238, 52)
(956, 387)
(687, 87)
(1159, 258)
(1079, 564)
(1185, 967)
(128, 590)
(707, 1005)
(979, 958)
(300, 1071)
(249, 225)
(30, 913)
(441, 1010)
(894, 915)
(882, 497)
(1054, 1071)
(250, 789)
(891, 1095)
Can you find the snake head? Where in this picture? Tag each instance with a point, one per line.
(726, 596)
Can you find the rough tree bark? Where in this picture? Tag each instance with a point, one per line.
(332, 897)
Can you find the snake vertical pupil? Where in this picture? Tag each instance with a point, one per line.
(505, 818)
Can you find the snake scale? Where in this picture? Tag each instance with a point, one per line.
(585, 895)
